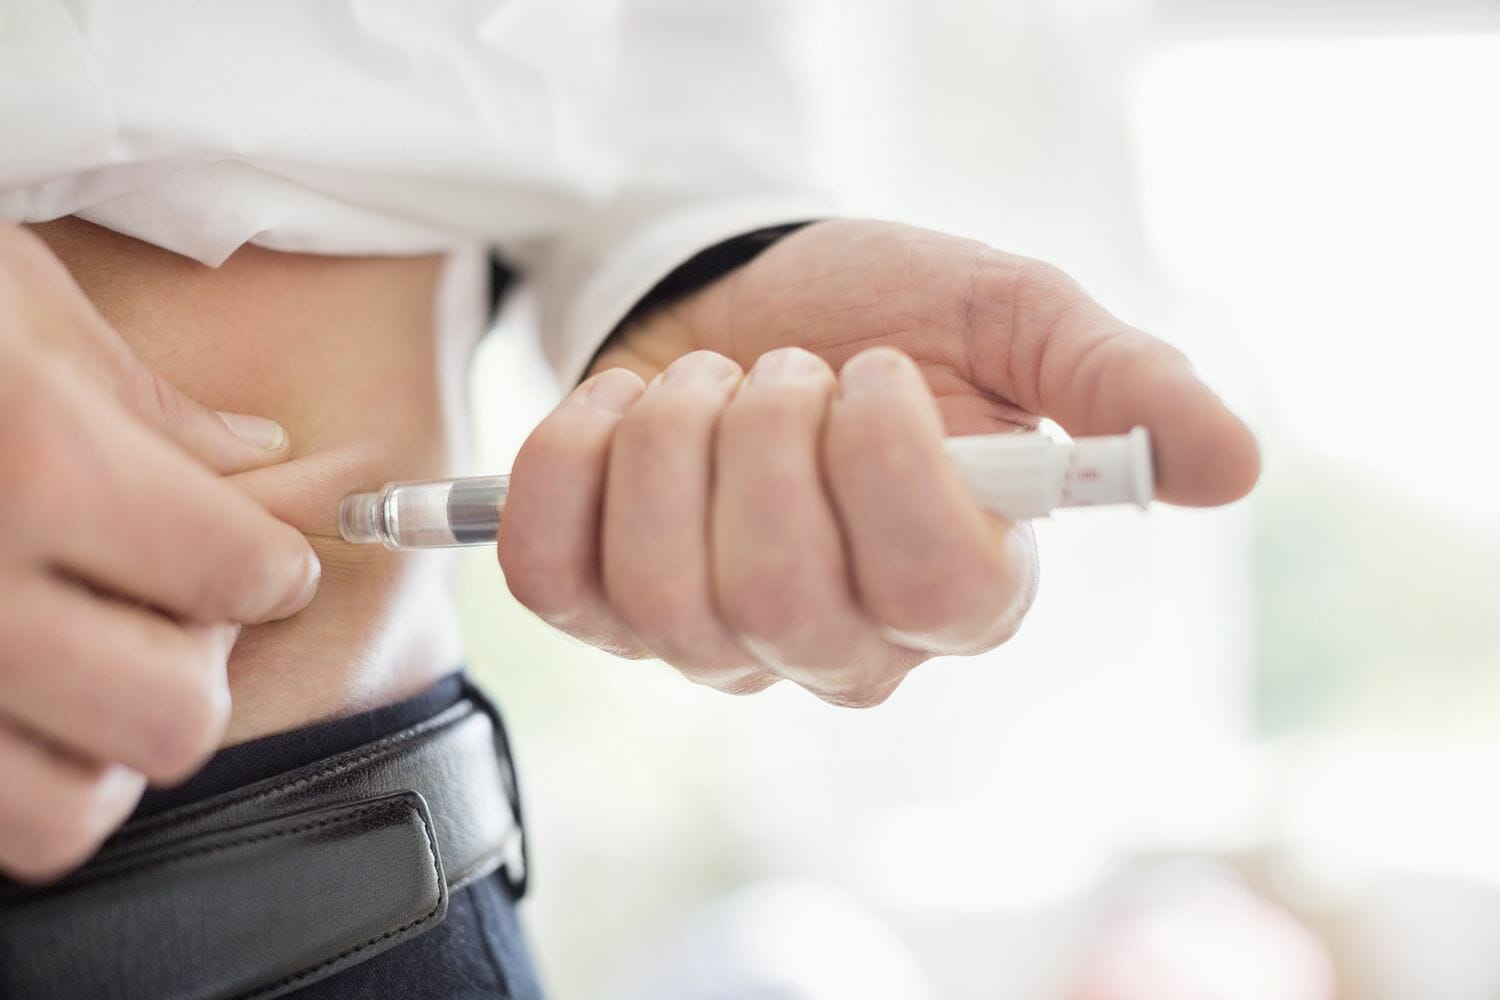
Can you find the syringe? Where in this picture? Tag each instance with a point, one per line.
(1019, 476)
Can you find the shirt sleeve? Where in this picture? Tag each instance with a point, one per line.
(707, 110)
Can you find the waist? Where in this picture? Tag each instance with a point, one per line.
(362, 361)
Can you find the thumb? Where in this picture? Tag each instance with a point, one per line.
(1060, 354)
(225, 442)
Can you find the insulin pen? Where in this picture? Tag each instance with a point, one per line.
(1019, 476)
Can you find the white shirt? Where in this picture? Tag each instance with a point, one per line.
(596, 143)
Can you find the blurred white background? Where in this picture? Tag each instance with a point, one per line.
(1297, 697)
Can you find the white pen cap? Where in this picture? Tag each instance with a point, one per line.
(1031, 475)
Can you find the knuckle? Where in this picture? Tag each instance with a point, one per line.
(155, 396)
(535, 579)
(732, 679)
(773, 608)
(551, 452)
(1131, 349)
(920, 603)
(648, 607)
(251, 576)
(1039, 280)
(703, 656)
(989, 294)
(668, 632)
(654, 426)
(676, 628)
(73, 822)
(633, 651)
(750, 682)
(956, 616)
(862, 695)
(34, 857)
(1163, 348)
(1008, 617)
(1005, 627)
(50, 479)
(230, 585)
(528, 583)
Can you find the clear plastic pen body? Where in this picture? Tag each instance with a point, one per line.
(434, 514)
(1019, 476)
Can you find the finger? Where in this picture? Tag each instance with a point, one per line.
(110, 682)
(56, 810)
(225, 442)
(655, 525)
(549, 533)
(1040, 341)
(780, 576)
(107, 500)
(929, 564)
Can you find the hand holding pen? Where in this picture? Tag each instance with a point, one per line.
(808, 520)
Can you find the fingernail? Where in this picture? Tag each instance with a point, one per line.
(613, 390)
(258, 432)
(874, 371)
(307, 585)
(787, 366)
(700, 368)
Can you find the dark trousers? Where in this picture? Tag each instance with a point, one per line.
(478, 951)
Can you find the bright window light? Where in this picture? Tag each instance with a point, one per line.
(1341, 199)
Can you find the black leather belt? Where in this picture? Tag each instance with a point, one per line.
(265, 889)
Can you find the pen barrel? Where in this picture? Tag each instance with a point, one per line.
(431, 514)
(474, 507)
(1019, 476)
(1016, 477)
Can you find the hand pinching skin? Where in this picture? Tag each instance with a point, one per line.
(127, 565)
